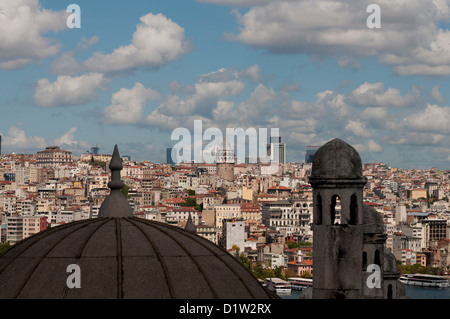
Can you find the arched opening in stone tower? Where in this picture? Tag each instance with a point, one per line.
(319, 210)
(364, 263)
(335, 210)
(377, 259)
(389, 292)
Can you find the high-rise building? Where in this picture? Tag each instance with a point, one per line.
(169, 159)
(277, 150)
(95, 149)
(310, 151)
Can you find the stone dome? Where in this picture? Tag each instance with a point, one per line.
(124, 257)
(390, 264)
(373, 222)
(118, 255)
(336, 160)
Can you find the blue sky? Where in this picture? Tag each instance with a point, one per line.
(137, 70)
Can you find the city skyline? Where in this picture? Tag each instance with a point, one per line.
(136, 71)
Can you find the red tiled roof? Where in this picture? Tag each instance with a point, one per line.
(280, 187)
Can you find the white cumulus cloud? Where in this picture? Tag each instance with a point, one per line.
(370, 147)
(411, 37)
(357, 128)
(127, 105)
(432, 119)
(17, 140)
(375, 94)
(67, 90)
(156, 42)
(24, 25)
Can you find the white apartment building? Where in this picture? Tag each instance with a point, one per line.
(214, 214)
(181, 214)
(14, 229)
(289, 217)
(233, 233)
(9, 204)
(53, 156)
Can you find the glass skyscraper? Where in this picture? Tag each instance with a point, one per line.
(169, 159)
(310, 151)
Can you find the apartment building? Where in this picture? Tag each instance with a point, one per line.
(281, 216)
(233, 233)
(14, 229)
(181, 214)
(251, 213)
(53, 156)
(214, 214)
(33, 225)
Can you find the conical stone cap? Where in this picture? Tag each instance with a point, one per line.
(115, 205)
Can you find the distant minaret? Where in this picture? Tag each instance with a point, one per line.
(225, 161)
(0, 145)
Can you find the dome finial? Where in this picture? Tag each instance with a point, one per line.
(115, 205)
(190, 225)
(115, 165)
(116, 162)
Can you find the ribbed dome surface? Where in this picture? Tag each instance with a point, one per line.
(124, 257)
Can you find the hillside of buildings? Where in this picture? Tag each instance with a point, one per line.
(263, 215)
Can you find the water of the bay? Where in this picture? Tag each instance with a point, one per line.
(411, 291)
(427, 293)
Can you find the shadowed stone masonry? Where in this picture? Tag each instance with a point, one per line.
(348, 241)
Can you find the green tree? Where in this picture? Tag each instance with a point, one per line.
(4, 247)
(258, 270)
(124, 191)
(192, 202)
(189, 202)
(277, 272)
(289, 273)
(306, 274)
(261, 273)
(418, 269)
(97, 163)
(291, 244)
(304, 244)
(246, 262)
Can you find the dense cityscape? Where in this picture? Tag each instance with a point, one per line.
(261, 213)
(241, 151)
